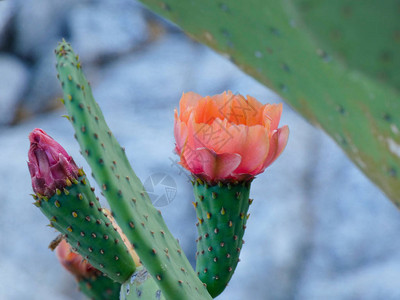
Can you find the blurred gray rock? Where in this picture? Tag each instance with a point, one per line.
(44, 86)
(153, 77)
(14, 77)
(39, 25)
(103, 29)
(7, 9)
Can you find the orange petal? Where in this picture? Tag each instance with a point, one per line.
(187, 104)
(252, 145)
(207, 111)
(272, 114)
(180, 133)
(278, 143)
(214, 136)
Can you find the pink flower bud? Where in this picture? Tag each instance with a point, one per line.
(227, 137)
(49, 164)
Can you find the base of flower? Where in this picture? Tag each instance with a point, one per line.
(222, 213)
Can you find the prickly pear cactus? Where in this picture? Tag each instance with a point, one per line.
(222, 213)
(143, 225)
(336, 62)
(141, 286)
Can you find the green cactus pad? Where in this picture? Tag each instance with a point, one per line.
(76, 213)
(131, 206)
(364, 35)
(99, 287)
(222, 213)
(291, 47)
(141, 286)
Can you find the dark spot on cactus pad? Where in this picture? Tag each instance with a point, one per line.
(165, 6)
(325, 56)
(341, 109)
(285, 67)
(224, 7)
(283, 87)
(392, 172)
(347, 11)
(387, 117)
(386, 56)
(275, 31)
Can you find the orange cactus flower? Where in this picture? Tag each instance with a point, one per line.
(227, 137)
(74, 262)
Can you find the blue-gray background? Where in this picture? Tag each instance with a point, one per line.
(318, 228)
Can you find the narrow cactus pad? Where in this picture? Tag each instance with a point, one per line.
(336, 62)
(77, 214)
(141, 286)
(222, 213)
(143, 225)
(99, 287)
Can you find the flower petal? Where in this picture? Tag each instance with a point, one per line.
(218, 166)
(278, 143)
(272, 115)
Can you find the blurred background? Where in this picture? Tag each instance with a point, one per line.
(319, 229)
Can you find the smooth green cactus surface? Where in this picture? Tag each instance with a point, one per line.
(99, 287)
(222, 213)
(336, 62)
(141, 286)
(131, 206)
(364, 35)
(76, 213)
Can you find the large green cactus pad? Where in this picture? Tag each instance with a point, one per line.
(365, 34)
(131, 206)
(287, 50)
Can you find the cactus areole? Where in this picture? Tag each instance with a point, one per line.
(224, 141)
